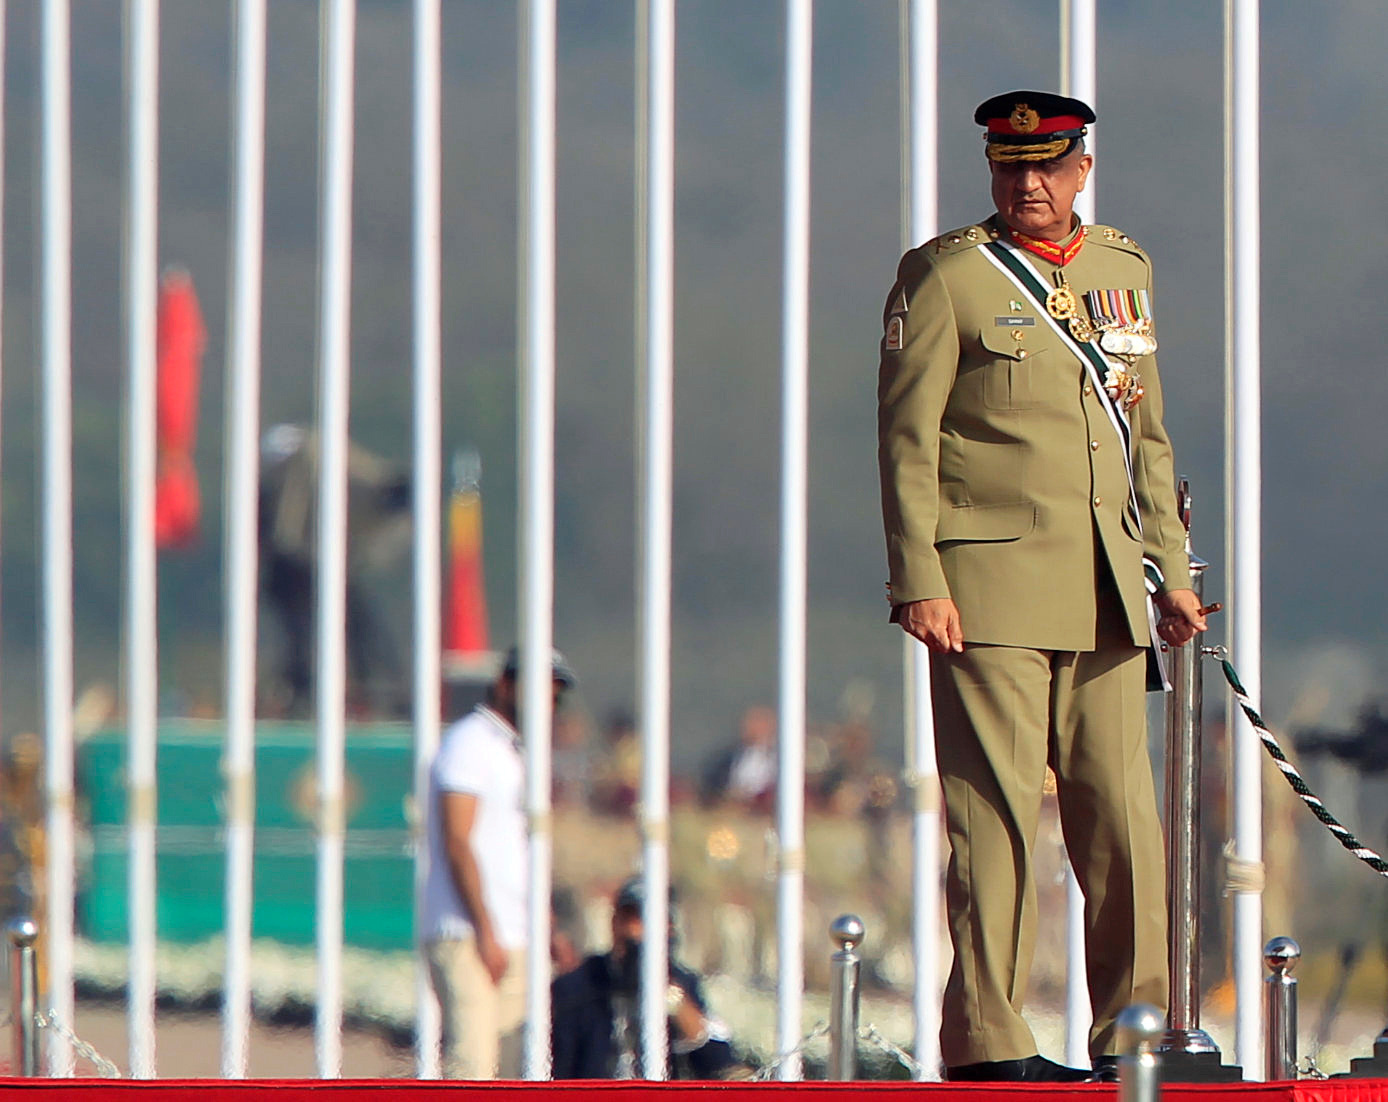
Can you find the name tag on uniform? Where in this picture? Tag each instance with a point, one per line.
(1012, 322)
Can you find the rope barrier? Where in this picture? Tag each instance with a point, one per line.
(1289, 771)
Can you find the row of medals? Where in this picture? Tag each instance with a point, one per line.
(1122, 386)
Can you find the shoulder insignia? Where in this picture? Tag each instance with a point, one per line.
(894, 333)
(1107, 235)
(958, 240)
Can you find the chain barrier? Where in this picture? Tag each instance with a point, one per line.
(104, 1068)
(1289, 771)
(763, 1074)
(873, 1036)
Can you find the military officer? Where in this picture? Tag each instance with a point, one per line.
(1031, 523)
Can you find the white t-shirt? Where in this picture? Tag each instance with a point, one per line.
(480, 755)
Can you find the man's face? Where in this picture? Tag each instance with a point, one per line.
(1038, 197)
(506, 696)
(627, 929)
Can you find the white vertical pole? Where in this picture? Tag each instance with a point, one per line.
(656, 73)
(536, 514)
(919, 144)
(240, 548)
(1243, 497)
(141, 653)
(1079, 36)
(56, 336)
(338, 37)
(790, 797)
(3, 17)
(428, 472)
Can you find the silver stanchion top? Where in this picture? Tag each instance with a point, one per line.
(1280, 955)
(847, 932)
(22, 931)
(1139, 1026)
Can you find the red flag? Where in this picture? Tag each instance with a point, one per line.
(465, 618)
(181, 338)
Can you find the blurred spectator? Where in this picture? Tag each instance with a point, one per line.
(597, 1014)
(572, 763)
(473, 924)
(617, 775)
(845, 786)
(378, 505)
(745, 773)
(567, 936)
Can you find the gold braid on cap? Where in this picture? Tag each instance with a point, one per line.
(1006, 153)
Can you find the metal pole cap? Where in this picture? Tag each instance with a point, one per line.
(1280, 955)
(23, 931)
(1139, 1027)
(847, 931)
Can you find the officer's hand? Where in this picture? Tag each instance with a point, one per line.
(1181, 618)
(935, 623)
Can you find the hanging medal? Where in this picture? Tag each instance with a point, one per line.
(1061, 302)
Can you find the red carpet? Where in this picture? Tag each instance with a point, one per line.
(405, 1090)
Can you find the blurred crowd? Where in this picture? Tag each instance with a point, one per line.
(600, 769)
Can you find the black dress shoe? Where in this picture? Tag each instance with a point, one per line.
(1032, 1069)
(1106, 1069)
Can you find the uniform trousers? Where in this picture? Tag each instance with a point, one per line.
(1002, 714)
(481, 1021)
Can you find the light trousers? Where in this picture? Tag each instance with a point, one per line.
(1002, 714)
(482, 1021)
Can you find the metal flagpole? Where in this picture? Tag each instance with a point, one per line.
(656, 94)
(241, 520)
(919, 143)
(1243, 497)
(535, 293)
(1078, 47)
(338, 40)
(56, 338)
(790, 796)
(141, 282)
(428, 473)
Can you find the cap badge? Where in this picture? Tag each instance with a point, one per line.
(1023, 119)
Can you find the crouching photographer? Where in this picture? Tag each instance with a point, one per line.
(596, 1009)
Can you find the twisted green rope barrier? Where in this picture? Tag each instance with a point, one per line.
(1289, 771)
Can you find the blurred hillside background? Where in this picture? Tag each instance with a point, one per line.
(1159, 151)
(1158, 144)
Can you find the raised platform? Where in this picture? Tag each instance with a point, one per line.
(408, 1090)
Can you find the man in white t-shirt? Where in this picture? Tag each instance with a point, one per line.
(473, 925)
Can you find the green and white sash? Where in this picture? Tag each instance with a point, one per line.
(1012, 262)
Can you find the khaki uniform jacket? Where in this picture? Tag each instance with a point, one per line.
(1003, 481)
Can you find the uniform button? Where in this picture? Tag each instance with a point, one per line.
(1088, 390)
(1094, 445)
(1098, 501)
(1021, 353)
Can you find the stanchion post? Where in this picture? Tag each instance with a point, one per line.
(1280, 954)
(1183, 757)
(24, 995)
(1139, 1028)
(1189, 1054)
(846, 932)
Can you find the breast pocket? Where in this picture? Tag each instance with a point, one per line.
(1008, 368)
